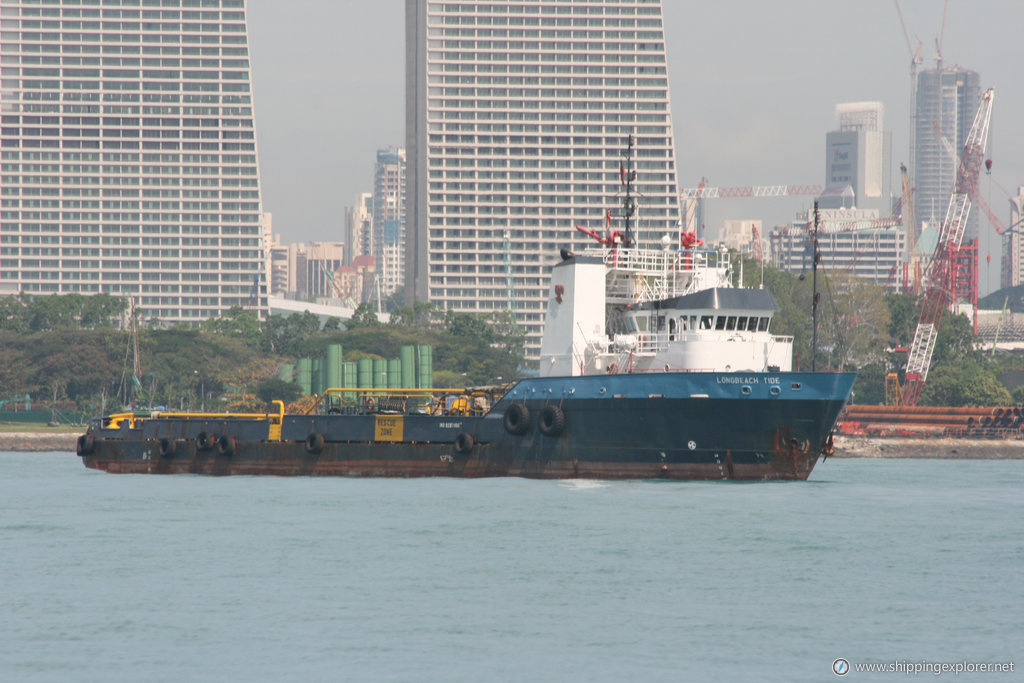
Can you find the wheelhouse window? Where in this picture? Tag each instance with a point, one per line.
(720, 322)
(705, 322)
(762, 324)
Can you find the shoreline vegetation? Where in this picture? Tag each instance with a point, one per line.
(63, 438)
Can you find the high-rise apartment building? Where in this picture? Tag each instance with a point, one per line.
(128, 154)
(359, 228)
(517, 117)
(947, 100)
(1013, 246)
(389, 218)
(281, 274)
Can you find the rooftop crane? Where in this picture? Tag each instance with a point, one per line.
(939, 271)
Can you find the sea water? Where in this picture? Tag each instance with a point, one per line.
(108, 577)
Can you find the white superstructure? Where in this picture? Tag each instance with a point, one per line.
(628, 308)
(615, 310)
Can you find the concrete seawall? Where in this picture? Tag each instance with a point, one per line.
(38, 441)
(950, 449)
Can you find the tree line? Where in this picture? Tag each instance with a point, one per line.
(76, 348)
(865, 327)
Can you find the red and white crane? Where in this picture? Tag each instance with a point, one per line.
(690, 197)
(704, 192)
(976, 196)
(939, 271)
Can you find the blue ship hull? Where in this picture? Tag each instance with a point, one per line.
(679, 425)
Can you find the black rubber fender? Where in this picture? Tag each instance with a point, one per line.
(314, 442)
(551, 421)
(167, 447)
(226, 445)
(86, 444)
(517, 418)
(464, 443)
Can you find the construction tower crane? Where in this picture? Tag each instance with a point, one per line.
(693, 197)
(915, 60)
(939, 271)
(704, 192)
(907, 207)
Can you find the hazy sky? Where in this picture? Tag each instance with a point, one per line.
(754, 86)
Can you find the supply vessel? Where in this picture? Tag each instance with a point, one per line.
(653, 364)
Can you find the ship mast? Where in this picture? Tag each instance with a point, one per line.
(628, 175)
(815, 256)
(133, 387)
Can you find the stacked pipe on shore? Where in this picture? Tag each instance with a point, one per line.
(932, 421)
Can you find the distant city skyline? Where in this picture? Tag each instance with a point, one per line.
(753, 95)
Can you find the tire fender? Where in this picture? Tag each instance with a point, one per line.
(167, 447)
(551, 421)
(314, 442)
(86, 444)
(517, 418)
(464, 443)
(226, 445)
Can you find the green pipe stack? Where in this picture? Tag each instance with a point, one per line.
(413, 369)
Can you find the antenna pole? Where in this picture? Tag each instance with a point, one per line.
(814, 289)
(629, 205)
